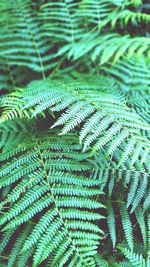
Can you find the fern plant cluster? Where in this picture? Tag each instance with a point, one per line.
(74, 133)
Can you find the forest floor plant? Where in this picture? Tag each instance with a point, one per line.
(75, 133)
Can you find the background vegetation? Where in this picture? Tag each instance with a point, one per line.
(74, 133)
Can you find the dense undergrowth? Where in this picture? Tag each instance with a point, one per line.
(74, 133)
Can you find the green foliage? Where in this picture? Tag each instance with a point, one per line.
(47, 188)
(134, 259)
(74, 133)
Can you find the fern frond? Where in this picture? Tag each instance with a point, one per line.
(134, 73)
(135, 259)
(100, 261)
(48, 189)
(141, 107)
(64, 14)
(140, 193)
(13, 134)
(124, 17)
(5, 239)
(141, 221)
(12, 108)
(111, 12)
(24, 40)
(127, 225)
(111, 223)
(17, 246)
(118, 125)
(147, 202)
(110, 48)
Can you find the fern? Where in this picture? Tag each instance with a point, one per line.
(66, 14)
(140, 218)
(111, 114)
(134, 259)
(100, 261)
(127, 226)
(54, 190)
(111, 224)
(114, 50)
(12, 134)
(27, 46)
(74, 133)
